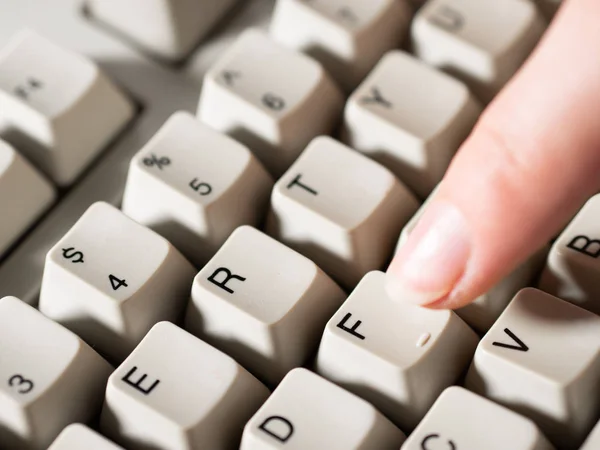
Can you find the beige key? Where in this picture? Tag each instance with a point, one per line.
(49, 377)
(573, 265)
(262, 303)
(195, 186)
(270, 98)
(309, 412)
(482, 42)
(109, 279)
(169, 29)
(398, 356)
(593, 440)
(411, 118)
(24, 196)
(58, 108)
(485, 310)
(78, 437)
(542, 359)
(176, 392)
(340, 209)
(347, 36)
(462, 420)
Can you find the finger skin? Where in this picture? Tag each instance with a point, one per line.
(530, 163)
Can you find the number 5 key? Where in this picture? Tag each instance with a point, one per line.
(110, 280)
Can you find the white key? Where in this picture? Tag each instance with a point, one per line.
(542, 359)
(411, 118)
(573, 265)
(262, 303)
(462, 420)
(49, 377)
(195, 186)
(347, 36)
(485, 310)
(483, 42)
(271, 98)
(24, 195)
(110, 279)
(340, 209)
(398, 356)
(309, 412)
(58, 108)
(176, 392)
(169, 29)
(593, 440)
(78, 437)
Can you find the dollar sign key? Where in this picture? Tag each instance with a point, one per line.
(74, 255)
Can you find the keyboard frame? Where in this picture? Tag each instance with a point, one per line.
(158, 88)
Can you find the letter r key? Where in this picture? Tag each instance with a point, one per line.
(573, 265)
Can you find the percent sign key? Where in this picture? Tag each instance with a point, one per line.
(156, 161)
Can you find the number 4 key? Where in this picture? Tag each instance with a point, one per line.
(110, 279)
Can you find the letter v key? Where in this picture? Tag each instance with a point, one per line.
(520, 344)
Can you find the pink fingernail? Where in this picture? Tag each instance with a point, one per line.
(435, 256)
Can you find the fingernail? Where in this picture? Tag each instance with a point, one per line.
(434, 257)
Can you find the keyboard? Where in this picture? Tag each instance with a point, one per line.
(198, 199)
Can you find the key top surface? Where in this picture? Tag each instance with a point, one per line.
(110, 279)
(49, 377)
(195, 186)
(410, 118)
(398, 356)
(460, 419)
(307, 411)
(542, 359)
(167, 28)
(78, 436)
(270, 98)
(59, 109)
(175, 391)
(482, 42)
(340, 209)
(573, 265)
(347, 37)
(262, 303)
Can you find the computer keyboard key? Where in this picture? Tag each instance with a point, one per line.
(58, 108)
(49, 377)
(593, 440)
(410, 118)
(169, 29)
(176, 392)
(341, 209)
(398, 356)
(195, 186)
(109, 279)
(270, 98)
(24, 195)
(262, 303)
(347, 36)
(483, 42)
(460, 419)
(78, 437)
(542, 359)
(573, 266)
(309, 412)
(485, 310)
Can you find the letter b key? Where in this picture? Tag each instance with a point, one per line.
(573, 265)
